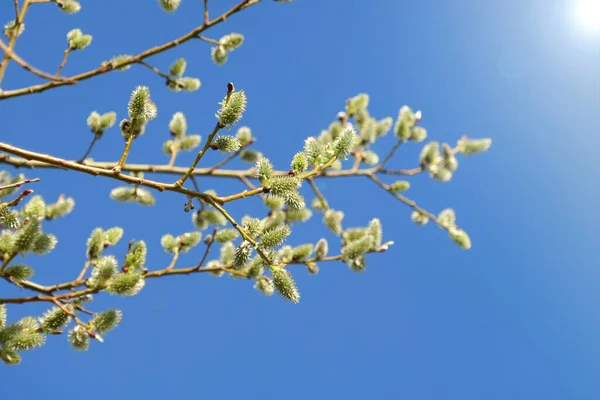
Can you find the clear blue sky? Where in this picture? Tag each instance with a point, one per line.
(516, 317)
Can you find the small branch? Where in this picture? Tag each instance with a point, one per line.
(69, 312)
(83, 271)
(190, 170)
(318, 193)
(229, 157)
(208, 40)
(12, 55)
(117, 168)
(153, 69)
(173, 261)
(407, 201)
(19, 198)
(63, 62)
(13, 39)
(358, 157)
(242, 232)
(58, 162)
(389, 155)
(206, 18)
(197, 189)
(248, 193)
(153, 274)
(89, 150)
(7, 261)
(405, 172)
(16, 4)
(174, 152)
(207, 250)
(19, 184)
(132, 60)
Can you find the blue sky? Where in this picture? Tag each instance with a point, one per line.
(516, 317)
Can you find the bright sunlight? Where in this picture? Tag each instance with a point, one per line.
(588, 14)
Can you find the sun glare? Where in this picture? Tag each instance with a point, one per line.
(588, 14)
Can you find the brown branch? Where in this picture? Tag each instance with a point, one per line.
(230, 157)
(131, 60)
(190, 170)
(19, 198)
(207, 249)
(389, 155)
(13, 38)
(206, 18)
(19, 184)
(63, 62)
(412, 204)
(219, 173)
(16, 4)
(86, 266)
(153, 69)
(153, 274)
(318, 193)
(12, 55)
(89, 150)
(208, 40)
(59, 162)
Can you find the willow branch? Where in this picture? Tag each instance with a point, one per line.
(63, 62)
(13, 39)
(132, 60)
(263, 189)
(16, 4)
(19, 198)
(47, 291)
(12, 55)
(59, 162)
(89, 150)
(318, 193)
(201, 153)
(153, 69)
(389, 155)
(411, 203)
(208, 40)
(206, 17)
(219, 173)
(207, 249)
(230, 157)
(19, 184)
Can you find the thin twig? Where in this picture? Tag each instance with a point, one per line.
(83, 271)
(389, 155)
(13, 39)
(16, 3)
(89, 150)
(58, 162)
(174, 151)
(208, 246)
(412, 204)
(173, 260)
(208, 40)
(153, 69)
(63, 62)
(12, 55)
(206, 18)
(69, 312)
(48, 297)
(318, 193)
(19, 184)
(201, 153)
(19, 198)
(230, 157)
(131, 60)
